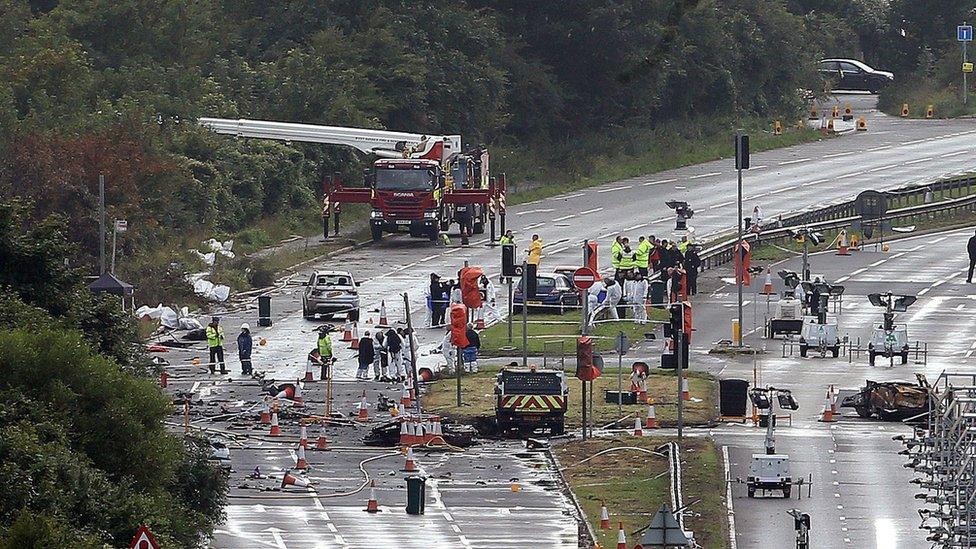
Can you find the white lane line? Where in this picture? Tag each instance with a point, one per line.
(835, 155)
(701, 175)
(957, 153)
(777, 191)
(429, 257)
(882, 168)
(842, 279)
(881, 148)
(557, 250)
(919, 160)
(878, 262)
(728, 497)
(635, 227)
(859, 271)
(915, 141)
(845, 176)
(719, 205)
(594, 210)
(925, 291)
(798, 160)
(569, 196)
(658, 182)
(759, 167)
(940, 239)
(532, 226)
(612, 189)
(564, 218)
(538, 210)
(814, 182)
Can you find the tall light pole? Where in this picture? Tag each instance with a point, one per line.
(741, 163)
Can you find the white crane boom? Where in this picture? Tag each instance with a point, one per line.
(382, 143)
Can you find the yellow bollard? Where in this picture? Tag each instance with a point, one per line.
(777, 127)
(736, 332)
(904, 110)
(929, 111)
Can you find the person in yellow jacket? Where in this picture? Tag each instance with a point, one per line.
(615, 250)
(325, 351)
(535, 250)
(215, 342)
(507, 238)
(643, 255)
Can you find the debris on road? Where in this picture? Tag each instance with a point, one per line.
(891, 400)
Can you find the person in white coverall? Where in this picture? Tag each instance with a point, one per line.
(614, 294)
(447, 349)
(638, 293)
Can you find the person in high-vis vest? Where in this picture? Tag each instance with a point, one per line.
(215, 342)
(325, 352)
(507, 238)
(643, 255)
(615, 250)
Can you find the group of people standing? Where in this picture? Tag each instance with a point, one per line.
(388, 353)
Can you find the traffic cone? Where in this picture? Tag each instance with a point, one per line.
(638, 431)
(354, 344)
(300, 462)
(372, 506)
(406, 439)
(383, 321)
(479, 321)
(347, 332)
(651, 421)
(848, 112)
(410, 466)
(303, 437)
(309, 375)
(621, 537)
(862, 124)
(395, 410)
(835, 111)
(814, 115)
(275, 429)
(294, 480)
(833, 400)
(298, 398)
(929, 111)
(768, 284)
(685, 393)
(405, 396)
(163, 379)
(827, 416)
(265, 412)
(322, 442)
(777, 127)
(363, 411)
(604, 517)
(830, 124)
(904, 110)
(842, 247)
(263, 341)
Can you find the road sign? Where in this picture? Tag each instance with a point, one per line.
(967, 67)
(664, 531)
(121, 225)
(964, 33)
(742, 152)
(621, 343)
(584, 278)
(143, 539)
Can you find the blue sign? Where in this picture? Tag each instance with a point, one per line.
(964, 33)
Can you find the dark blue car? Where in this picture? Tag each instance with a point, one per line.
(554, 294)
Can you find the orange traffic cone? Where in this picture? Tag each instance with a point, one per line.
(835, 111)
(363, 411)
(322, 442)
(383, 321)
(621, 537)
(827, 416)
(862, 124)
(347, 332)
(651, 421)
(265, 412)
(685, 393)
(303, 437)
(777, 127)
(163, 379)
(830, 124)
(842, 245)
(298, 398)
(768, 284)
(395, 410)
(372, 506)
(479, 321)
(604, 517)
(405, 397)
(354, 344)
(294, 480)
(833, 400)
(904, 110)
(848, 112)
(410, 466)
(814, 114)
(406, 438)
(638, 431)
(309, 375)
(275, 429)
(300, 463)
(929, 111)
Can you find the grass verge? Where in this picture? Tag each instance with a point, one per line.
(478, 398)
(919, 93)
(635, 484)
(543, 328)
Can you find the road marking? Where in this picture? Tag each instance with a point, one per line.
(777, 191)
(859, 271)
(612, 189)
(635, 227)
(798, 160)
(915, 141)
(720, 205)
(728, 496)
(660, 181)
(842, 279)
(814, 182)
(878, 262)
(835, 155)
(594, 210)
(925, 291)
(882, 168)
(557, 250)
(940, 239)
(881, 148)
(701, 175)
(532, 226)
(538, 210)
(759, 167)
(845, 176)
(957, 153)
(564, 218)
(918, 160)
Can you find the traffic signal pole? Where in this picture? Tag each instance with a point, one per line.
(679, 342)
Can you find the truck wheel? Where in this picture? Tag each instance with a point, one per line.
(835, 351)
(786, 491)
(557, 428)
(376, 233)
(479, 227)
(803, 351)
(752, 492)
(871, 356)
(904, 357)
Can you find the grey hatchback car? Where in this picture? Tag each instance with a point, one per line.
(329, 293)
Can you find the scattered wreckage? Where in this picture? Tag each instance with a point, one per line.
(892, 400)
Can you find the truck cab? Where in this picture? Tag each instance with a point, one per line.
(530, 399)
(405, 199)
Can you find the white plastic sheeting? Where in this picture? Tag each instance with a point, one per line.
(207, 289)
(169, 318)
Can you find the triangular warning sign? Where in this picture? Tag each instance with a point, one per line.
(664, 531)
(143, 539)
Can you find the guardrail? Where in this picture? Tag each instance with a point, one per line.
(842, 215)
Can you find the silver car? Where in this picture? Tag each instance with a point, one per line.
(330, 292)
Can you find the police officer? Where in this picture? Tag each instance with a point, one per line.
(244, 345)
(972, 257)
(507, 238)
(215, 342)
(692, 265)
(643, 255)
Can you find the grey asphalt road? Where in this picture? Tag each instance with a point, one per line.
(892, 153)
(861, 496)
